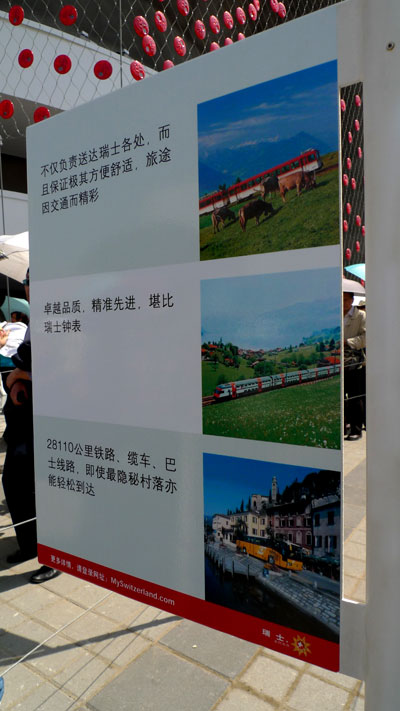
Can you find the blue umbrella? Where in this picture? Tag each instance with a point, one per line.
(11, 304)
(358, 270)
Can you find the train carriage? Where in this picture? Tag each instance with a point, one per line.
(252, 386)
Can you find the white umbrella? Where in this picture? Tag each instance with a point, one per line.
(347, 285)
(14, 255)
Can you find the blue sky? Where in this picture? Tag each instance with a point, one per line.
(270, 310)
(273, 111)
(228, 480)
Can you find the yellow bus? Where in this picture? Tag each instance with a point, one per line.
(279, 553)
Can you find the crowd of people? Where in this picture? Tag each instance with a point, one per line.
(354, 362)
(18, 472)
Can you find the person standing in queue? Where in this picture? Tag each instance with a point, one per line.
(354, 340)
(19, 473)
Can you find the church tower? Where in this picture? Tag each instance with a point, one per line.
(274, 490)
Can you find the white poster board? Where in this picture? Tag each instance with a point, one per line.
(187, 417)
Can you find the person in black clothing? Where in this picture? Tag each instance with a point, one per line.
(19, 472)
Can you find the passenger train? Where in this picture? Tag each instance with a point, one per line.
(308, 161)
(252, 386)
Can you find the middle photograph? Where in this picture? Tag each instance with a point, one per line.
(271, 357)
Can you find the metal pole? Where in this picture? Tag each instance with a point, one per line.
(381, 57)
(2, 211)
(120, 42)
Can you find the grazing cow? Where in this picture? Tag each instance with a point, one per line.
(219, 216)
(256, 208)
(299, 180)
(270, 185)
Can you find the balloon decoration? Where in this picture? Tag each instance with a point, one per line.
(102, 69)
(137, 70)
(6, 108)
(179, 46)
(160, 21)
(25, 58)
(68, 15)
(40, 114)
(16, 15)
(62, 64)
(141, 26)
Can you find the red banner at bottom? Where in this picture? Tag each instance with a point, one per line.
(252, 629)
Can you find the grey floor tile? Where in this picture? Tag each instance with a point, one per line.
(220, 652)
(160, 680)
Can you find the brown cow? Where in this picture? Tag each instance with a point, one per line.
(270, 185)
(219, 216)
(256, 208)
(299, 180)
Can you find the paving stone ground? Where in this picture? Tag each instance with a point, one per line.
(121, 655)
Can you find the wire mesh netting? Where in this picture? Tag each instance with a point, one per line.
(352, 141)
(55, 56)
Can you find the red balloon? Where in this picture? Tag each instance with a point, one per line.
(40, 114)
(141, 26)
(252, 10)
(357, 124)
(357, 100)
(241, 36)
(350, 137)
(363, 230)
(137, 70)
(281, 10)
(359, 152)
(160, 21)
(342, 104)
(240, 15)
(168, 64)
(6, 108)
(227, 41)
(179, 46)
(183, 7)
(358, 246)
(214, 24)
(68, 15)
(228, 20)
(345, 180)
(149, 45)
(348, 163)
(214, 46)
(102, 69)
(25, 58)
(358, 220)
(348, 208)
(200, 29)
(274, 4)
(353, 183)
(257, 5)
(16, 14)
(62, 64)
(345, 228)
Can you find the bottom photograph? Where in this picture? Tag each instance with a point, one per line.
(272, 542)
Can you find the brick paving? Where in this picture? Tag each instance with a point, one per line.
(122, 655)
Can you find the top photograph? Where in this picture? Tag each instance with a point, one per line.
(268, 166)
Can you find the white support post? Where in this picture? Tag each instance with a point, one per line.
(381, 74)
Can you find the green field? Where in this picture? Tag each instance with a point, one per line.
(307, 415)
(211, 374)
(310, 220)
